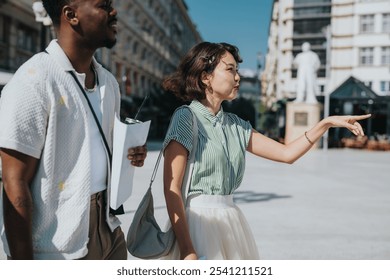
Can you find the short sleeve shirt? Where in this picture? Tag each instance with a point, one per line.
(44, 115)
(220, 154)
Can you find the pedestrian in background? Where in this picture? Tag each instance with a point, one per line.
(56, 167)
(211, 226)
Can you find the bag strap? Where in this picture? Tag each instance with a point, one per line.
(94, 116)
(120, 210)
(93, 112)
(190, 162)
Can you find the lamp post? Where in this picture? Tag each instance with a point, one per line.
(41, 16)
(328, 34)
(258, 83)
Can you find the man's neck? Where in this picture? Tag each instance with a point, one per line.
(80, 57)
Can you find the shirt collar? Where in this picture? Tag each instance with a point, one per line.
(59, 55)
(203, 111)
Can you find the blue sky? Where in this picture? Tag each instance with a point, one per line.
(243, 23)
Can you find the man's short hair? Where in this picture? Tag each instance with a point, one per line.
(54, 8)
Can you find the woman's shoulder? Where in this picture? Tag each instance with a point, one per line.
(235, 119)
(183, 110)
(182, 116)
(232, 117)
(180, 128)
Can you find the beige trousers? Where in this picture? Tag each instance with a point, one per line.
(103, 244)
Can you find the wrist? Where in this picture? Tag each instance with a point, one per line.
(326, 123)
(308, 139)
(186, 248)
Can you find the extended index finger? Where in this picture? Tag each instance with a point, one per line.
(361, 117)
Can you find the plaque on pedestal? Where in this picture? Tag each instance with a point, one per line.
(301, 117)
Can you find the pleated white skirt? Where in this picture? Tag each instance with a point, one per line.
(218, 229)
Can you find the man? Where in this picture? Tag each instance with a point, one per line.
(56, 169)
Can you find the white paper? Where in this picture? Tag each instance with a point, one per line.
(125, 136)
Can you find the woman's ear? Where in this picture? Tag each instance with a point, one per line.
(205, 78)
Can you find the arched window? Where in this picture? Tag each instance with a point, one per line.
(135, 48)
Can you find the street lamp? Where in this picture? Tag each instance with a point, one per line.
(258, 85)
(327, 31)
(42, 16)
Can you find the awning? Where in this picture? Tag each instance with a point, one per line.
(5, 77)
(354, 89)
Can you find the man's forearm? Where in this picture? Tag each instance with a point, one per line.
(18, 172)
(18, 221)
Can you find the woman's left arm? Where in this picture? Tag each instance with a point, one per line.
(263, 146)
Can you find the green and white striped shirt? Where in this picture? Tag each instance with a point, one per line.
(220, 155)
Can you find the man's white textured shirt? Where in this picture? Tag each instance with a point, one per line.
(44, 114)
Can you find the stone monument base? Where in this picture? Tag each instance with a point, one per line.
(301, 117)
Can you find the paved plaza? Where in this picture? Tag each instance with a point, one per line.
(331, 204)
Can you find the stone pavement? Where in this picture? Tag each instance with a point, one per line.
(332, 205)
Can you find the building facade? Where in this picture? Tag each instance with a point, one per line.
(19, 36)
(153, 36)
(351, 37)
(294, 22)
(360, 43)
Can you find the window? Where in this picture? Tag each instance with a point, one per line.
(367, 23)
(313, 42)
(118, 71)
(127, 82)
(385, 60)
(313, 26)
(2, 29)
(386, 23)
(385, 87)
(366, 56)
(3, 57)
(5, 26)
(144, 54)
(26, 38)
(135, 48)
(312, 11)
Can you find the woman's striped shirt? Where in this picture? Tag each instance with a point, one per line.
(220, 155)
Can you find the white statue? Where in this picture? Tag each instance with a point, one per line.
(308, 64)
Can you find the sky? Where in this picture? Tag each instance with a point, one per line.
(243, 23)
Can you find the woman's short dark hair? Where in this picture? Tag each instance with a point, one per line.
(186, 83)
(54, 9)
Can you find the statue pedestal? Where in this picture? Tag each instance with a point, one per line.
(301, 117)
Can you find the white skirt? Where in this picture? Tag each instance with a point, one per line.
(218, 229)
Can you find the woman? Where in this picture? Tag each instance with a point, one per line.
(209, 225)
